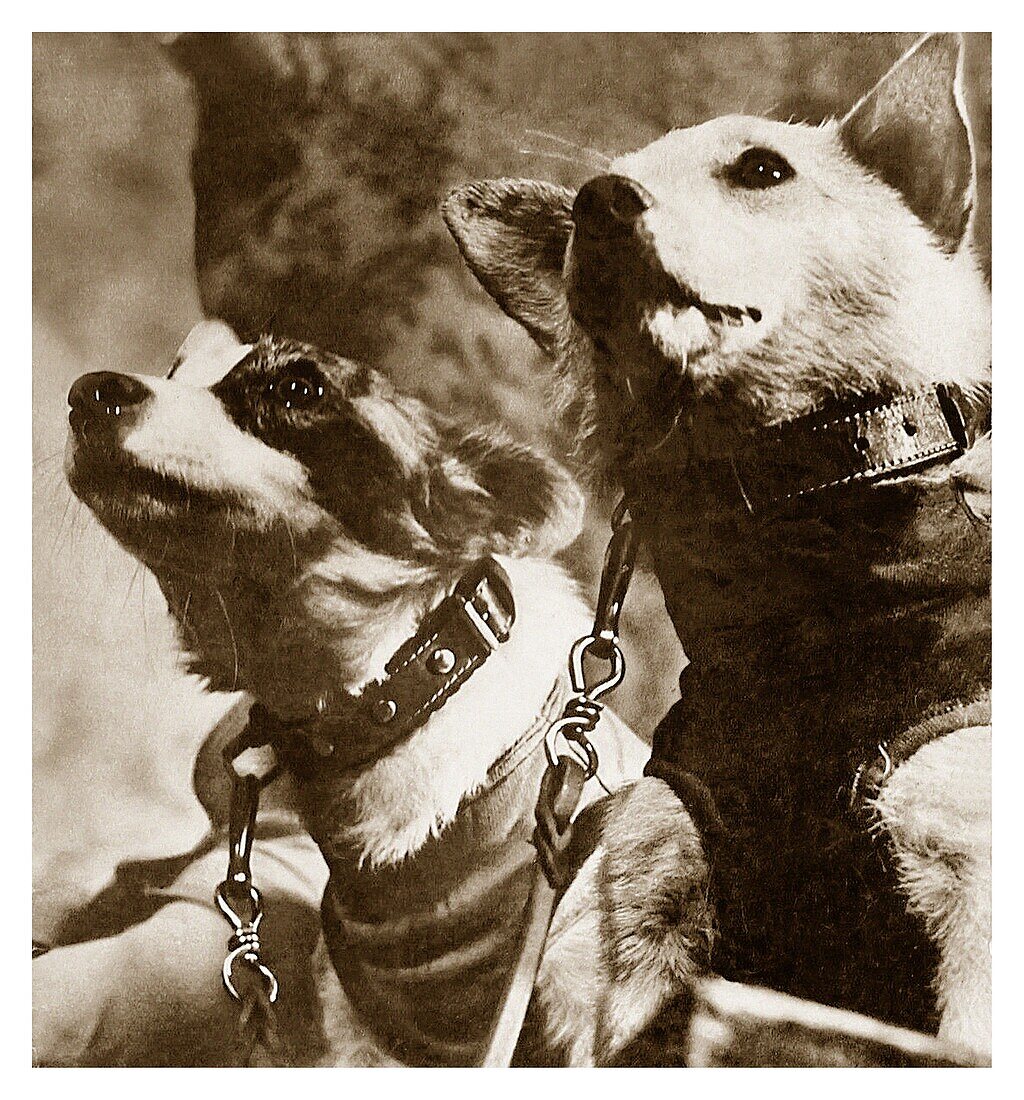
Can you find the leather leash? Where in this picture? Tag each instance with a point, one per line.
(562, 784)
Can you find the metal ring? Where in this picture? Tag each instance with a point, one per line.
(252, 960)
(550, 737)
(578, 677)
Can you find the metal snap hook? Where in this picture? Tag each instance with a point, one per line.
(577, 675)
(579, 745)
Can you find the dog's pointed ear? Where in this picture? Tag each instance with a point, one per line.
(495, 495)
(514, 233)
(912, 131)
(207, 353)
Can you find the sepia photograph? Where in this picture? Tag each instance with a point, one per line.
(511, 549)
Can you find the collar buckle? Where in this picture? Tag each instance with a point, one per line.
(452, 641)
(487, 603)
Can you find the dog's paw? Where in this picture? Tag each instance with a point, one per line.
(636, 924)
(937, 811)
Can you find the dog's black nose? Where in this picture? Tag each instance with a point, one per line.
(609, 206)
(104, 400)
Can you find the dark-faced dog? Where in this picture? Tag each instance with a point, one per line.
(304, 520)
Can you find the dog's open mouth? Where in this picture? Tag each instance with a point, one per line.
(609, 293)
(682, 297)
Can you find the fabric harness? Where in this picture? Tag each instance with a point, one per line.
(828, 604)
(423, 948)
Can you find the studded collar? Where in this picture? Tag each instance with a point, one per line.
(350, 731)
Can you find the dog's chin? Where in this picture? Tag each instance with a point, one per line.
(155, 515)
(658, 355)
(672, 367)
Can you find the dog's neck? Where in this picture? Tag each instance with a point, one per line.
(389, 810)
(814, 634)
(292, 649)
(868, 604)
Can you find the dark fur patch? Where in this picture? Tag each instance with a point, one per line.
(387, 473)
(398, 478)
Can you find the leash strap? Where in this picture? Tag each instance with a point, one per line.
(252, 764)
(562, 783)
(560, 791)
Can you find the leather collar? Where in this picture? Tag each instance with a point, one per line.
(350, 731)
(852, 443)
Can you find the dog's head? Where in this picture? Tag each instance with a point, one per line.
(272, 472)
(747, 270)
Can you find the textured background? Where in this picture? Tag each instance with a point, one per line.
(319, 162)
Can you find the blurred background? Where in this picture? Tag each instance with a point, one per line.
(318, 162)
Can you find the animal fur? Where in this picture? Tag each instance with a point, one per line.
(650, 933)
(755, 271)
(941, 832)
(301, 517)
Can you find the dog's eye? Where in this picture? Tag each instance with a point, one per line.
(757, 169)
(299, 387)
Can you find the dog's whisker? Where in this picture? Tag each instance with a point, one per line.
(163, 553)
(77, 523)
(145, 626)
(231, 632)
(50, 480)
(46, 460)
(131, 585)
(57, 535)
(554, 156)
(291, 540)
(596, 153)
(186, 629)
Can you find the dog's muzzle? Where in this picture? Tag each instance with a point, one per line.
(103, 405)
(613, 274)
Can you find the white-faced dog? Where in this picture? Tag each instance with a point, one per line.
(306, 522)
(776, 338)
